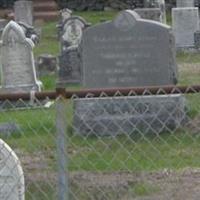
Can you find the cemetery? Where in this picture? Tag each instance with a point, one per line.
(99, 100)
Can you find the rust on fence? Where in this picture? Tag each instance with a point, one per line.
(108, 92)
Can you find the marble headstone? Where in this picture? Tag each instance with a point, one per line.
(119, 53)
(163, 17)
(65, 14)
(127, 52)
(156, 14)
(184, 3)
(18, 69)
(11, 174)
(149, 13)
(69, 60)
(72, 30)
(23, 11)
(185, 22)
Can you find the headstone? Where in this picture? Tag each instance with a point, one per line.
(128, 115)
(163, 17)
(197, 39)
(11, 175)
(30, 32)
(157, 13)
(127, 52)
(3, 23)
(18, 69)
(69, 60)
(23, 10)
(70, 67)
(185, 22)
(184, 3)
(150, 3)
(46, 64)
(149, 13)
(65, 14)
(72, 31)
(119, 53)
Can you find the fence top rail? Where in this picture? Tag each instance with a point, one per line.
(108, 92)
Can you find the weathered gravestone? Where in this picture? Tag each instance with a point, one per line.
(184, 3)
(162, 7)
(11, 175)
(158, 13)
(65, 14)
(126, 52)
(69, 60)
(185, 22)
(23, 11)
(119, 53)
(18, 69)
(149, 13)
(46, 64)
(3, 23)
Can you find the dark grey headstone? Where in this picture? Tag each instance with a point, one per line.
(70, 66)
(46, 64)
(128, 51)
(127, 115)
(197, 39)
(69, 60)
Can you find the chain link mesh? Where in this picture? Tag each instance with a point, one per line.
(120, 147)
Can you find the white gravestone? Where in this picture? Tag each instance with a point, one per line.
(23, 10)
(18, 68)
(65, 14)
(184, 3)
(185, 22)
(162, 7)
(11, 175)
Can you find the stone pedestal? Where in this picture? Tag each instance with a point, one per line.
(129, 115)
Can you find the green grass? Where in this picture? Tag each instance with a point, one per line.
(40, 191)
(142, 153)
(49, 42)
(95, 17)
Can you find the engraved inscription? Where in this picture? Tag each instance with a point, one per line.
(141, 56)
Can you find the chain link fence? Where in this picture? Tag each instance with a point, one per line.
(125, 143)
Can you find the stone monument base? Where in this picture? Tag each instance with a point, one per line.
(129, 115)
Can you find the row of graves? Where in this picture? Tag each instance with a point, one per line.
(128, 51)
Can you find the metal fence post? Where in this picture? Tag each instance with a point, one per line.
(61, 127)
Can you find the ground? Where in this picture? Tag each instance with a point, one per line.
(159, 185)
